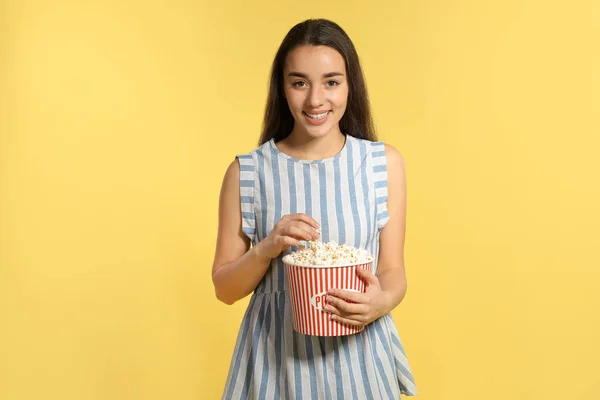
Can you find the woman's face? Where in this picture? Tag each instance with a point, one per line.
(316, 89)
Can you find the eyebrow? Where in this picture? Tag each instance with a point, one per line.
(327, 75)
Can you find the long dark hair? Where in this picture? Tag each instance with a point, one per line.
(356, 121)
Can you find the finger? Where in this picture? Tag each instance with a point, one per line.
(336, 311)
(345, 307)
(286, 241)
(368, 276)
(332, 310)
(349, 295)
(306, 219)
(297, 232)
(347, 321)
(314, 234)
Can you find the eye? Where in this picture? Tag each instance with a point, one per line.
(332, 83)
(299, 84)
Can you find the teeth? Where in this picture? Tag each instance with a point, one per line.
(318, 116)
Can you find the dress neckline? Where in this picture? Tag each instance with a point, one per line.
(321, 161)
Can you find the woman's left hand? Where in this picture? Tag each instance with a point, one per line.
(358, 309)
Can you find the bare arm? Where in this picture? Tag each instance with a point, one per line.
(238, 268)
(391, 272)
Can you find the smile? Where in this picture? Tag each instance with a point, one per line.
(317, 116)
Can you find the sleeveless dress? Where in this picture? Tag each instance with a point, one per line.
(347, 195)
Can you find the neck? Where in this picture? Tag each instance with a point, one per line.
(304, 147)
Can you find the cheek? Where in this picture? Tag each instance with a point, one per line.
(294, 99)
(340, 99)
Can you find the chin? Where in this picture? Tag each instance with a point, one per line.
(319, 132)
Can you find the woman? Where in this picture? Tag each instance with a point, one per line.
(318, 169)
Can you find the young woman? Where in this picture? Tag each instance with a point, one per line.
(318, 166)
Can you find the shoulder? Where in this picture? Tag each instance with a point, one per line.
(233, 168)
(245, 161)
(232, 174)
(393, 157)
(396, 174)
(380, 150)
(242, 167)
(254, 154)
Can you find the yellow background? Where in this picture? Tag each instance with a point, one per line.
(117, 122)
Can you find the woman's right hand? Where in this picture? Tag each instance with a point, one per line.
(288, 231)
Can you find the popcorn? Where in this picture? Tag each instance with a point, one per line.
(332, 253)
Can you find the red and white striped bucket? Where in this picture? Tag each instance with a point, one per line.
(308, 286)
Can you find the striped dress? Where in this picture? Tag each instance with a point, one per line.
(347, 195)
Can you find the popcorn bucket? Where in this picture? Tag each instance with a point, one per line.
(308, 286)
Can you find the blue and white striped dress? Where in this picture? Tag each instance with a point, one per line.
(347, 194)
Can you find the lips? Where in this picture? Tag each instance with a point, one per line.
(316, 114)
(317, 118)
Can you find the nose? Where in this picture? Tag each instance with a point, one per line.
(316, 97)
